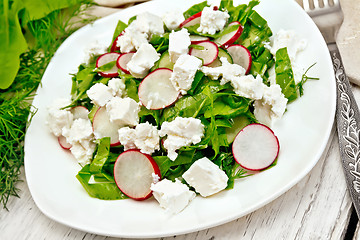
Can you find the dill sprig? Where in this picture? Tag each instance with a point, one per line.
(304, 78)
(46, 35)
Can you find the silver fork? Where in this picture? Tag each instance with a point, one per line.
(347, 111)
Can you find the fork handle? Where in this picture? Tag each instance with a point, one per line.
(348, 128)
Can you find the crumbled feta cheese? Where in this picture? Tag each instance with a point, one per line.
(131, 39)
(81, 129)
(142, 60)
(58, 118)
(179, 43)
(100, 94)
(272, 105)
(80, 136)
(181, 132)
(206, 177)
(83, 151)
(173, 196)
(94, 49)
(118, 87)
(127, 137)
(173, 19)
(144, 137)
(150, 23)
(212, 20)
(290, 40)
(184, 72)
(248, 86)
(227, 70)
(123, 111)
(155, 177)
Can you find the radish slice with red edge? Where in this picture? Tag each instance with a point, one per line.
(241, 56)
(115, 48)
(231, 37)
(123, 60)
(255, 147)
(197, 39)
(191, 21)
(63, 143)
(133, 174)
(103, 127)
(156, 91)
(107, 58)
(208, 54)
(80, 112)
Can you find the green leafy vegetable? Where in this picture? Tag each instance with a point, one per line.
(285, 75)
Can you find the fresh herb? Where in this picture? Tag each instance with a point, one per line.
(304, 78)
(21, 76)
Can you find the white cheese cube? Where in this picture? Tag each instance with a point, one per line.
(184, 72)
(272, 105)
(248, 86)
(173, 19)
(131, 39)
(127, 137)
(206, 177)
(58, 118)
(118, 87)
(123, 111)
(147, 138)
(144, 137)
(172, 196)
(81, 129)
(212, 20)
(227, 70)
(179, 43)
(150, 23)
(83, 151)
(181, 132)
(142, 60)
(80, 136)
(100, 94)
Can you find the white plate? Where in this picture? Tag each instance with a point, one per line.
(303, 133)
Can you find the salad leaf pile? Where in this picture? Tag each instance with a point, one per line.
(221, 111)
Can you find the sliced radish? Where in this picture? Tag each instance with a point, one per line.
(255, 147)
(103, 127)
(133, 174)
(191, 21)
(80, 112)
(107, 58)
(115, 48)
(156, 90)
(229, 38)
(63, 143)
(123, 60)
(197, 39)
(240, 55)
(208, 54)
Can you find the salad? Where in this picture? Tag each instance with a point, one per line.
(180, 105)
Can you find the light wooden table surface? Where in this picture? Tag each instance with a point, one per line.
(318, 207)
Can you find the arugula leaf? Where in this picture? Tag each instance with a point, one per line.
(120, 27)
(106, 190)
(195, 9)
(101, 156)
(285, 75)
